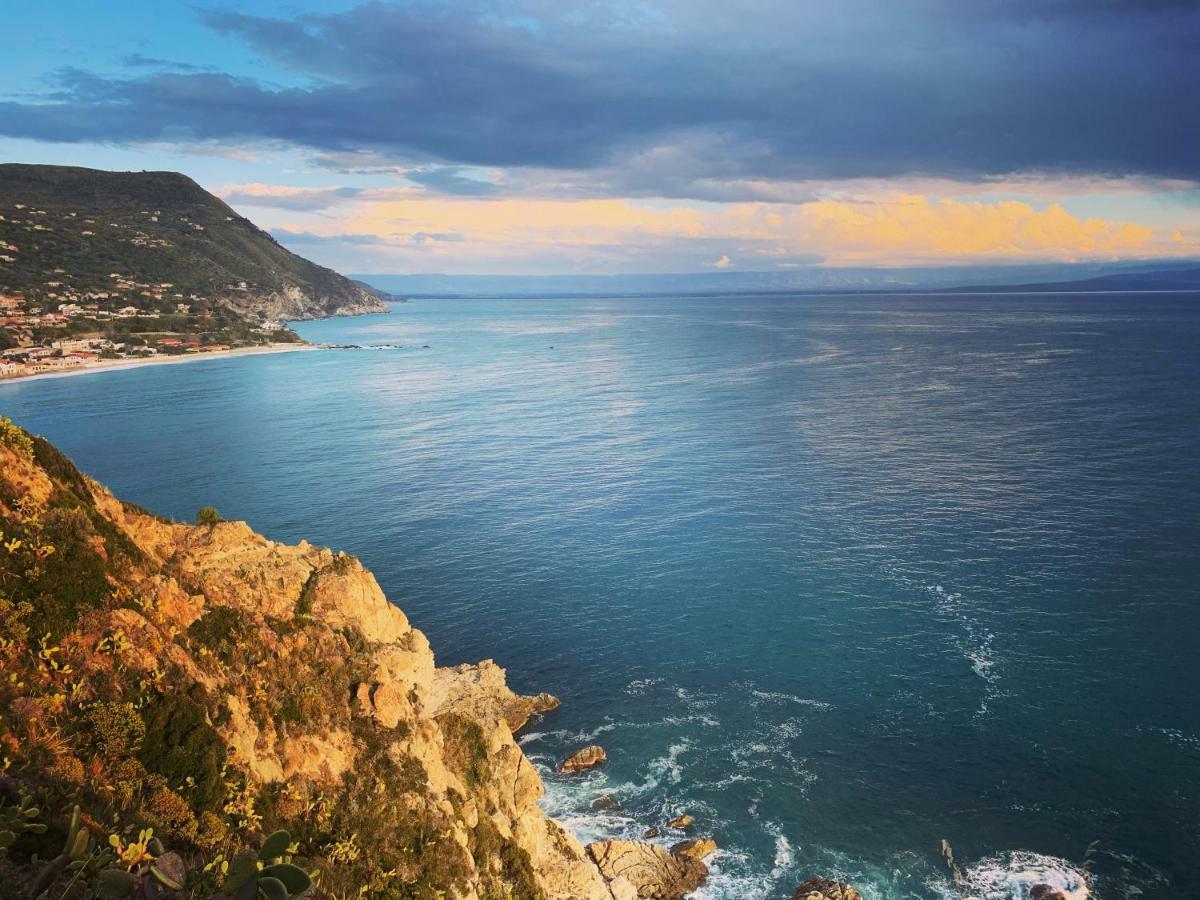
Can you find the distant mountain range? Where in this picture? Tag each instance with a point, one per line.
(1168, 275)
(1172, 279)
(66, 232)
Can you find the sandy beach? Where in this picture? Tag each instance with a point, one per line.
(108, 365)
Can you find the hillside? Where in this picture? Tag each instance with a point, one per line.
(1166, 279)
(212, 686)
(72, 231)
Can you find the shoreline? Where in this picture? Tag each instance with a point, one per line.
(108, 365)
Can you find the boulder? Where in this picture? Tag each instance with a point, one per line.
(1046, 892)
(654, 872)
(651, 832)
(697, 848)
(683, 822)
(825, 889)
(581, 760)
(606, 803)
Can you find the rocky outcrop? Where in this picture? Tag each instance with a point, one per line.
(582, 760)
(825, 889)
(481, 691)
(296, 302)
(653, 871)
(295, 678)
(682, 823)
(697, 848)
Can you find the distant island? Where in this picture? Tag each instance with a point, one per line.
(104, 266)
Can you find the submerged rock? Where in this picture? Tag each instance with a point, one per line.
(696, 848)
(825, 889)
(683, 822)
(606, 803)
(1046, 892)
(652, 832)
(654, 872)
(581, 760)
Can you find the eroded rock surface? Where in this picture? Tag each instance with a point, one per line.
(825, 889)
(581, 760)
(652, 870)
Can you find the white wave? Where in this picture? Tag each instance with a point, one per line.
(780, 697)
(639, 686)
(1012, 876)
(670, 765)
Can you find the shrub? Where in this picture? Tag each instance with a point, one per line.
(219, 631)
(466, 749)
(116, 729)
(14, 436)
(180, 744)
(207, 515)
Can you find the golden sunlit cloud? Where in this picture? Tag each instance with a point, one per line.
(911, 229)
(412, 228)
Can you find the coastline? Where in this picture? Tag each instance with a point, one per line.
(107, 365)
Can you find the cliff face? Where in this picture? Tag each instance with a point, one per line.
(216, 685)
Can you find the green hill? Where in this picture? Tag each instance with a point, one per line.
(68, 232)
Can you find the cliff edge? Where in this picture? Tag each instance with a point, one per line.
(214, 685)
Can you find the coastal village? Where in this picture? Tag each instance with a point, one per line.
(72, 319)
(86, 320)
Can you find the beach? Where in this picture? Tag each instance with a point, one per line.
(106, 365)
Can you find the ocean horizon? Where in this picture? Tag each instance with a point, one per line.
(843, 577)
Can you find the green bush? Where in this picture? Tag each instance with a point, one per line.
(180, 744)
(116, 729)
(219, 631)
(14, 436)
(207, 515)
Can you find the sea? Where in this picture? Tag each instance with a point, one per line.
(853, 580)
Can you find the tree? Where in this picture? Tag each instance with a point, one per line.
(207, 515)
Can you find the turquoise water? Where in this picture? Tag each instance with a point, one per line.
(841, 577)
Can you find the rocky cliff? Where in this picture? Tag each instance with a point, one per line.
(214, 685)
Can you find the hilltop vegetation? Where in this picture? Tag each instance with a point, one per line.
(80, 227)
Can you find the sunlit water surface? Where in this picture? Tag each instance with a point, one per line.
(840, 576)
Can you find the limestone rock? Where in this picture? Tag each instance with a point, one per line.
(581, 760)
(654, 872)
(825, 889)
(697, 848)
(683, 822)
(481, 691)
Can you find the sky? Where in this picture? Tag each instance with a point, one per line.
(548, 136)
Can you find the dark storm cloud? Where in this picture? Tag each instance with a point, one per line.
(774, 89)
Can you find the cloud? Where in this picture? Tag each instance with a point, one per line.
(280, 197)
(451, 180)
(688, 98)
(140, 61)
(289, 236)
(418, 232)
(918, 230)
